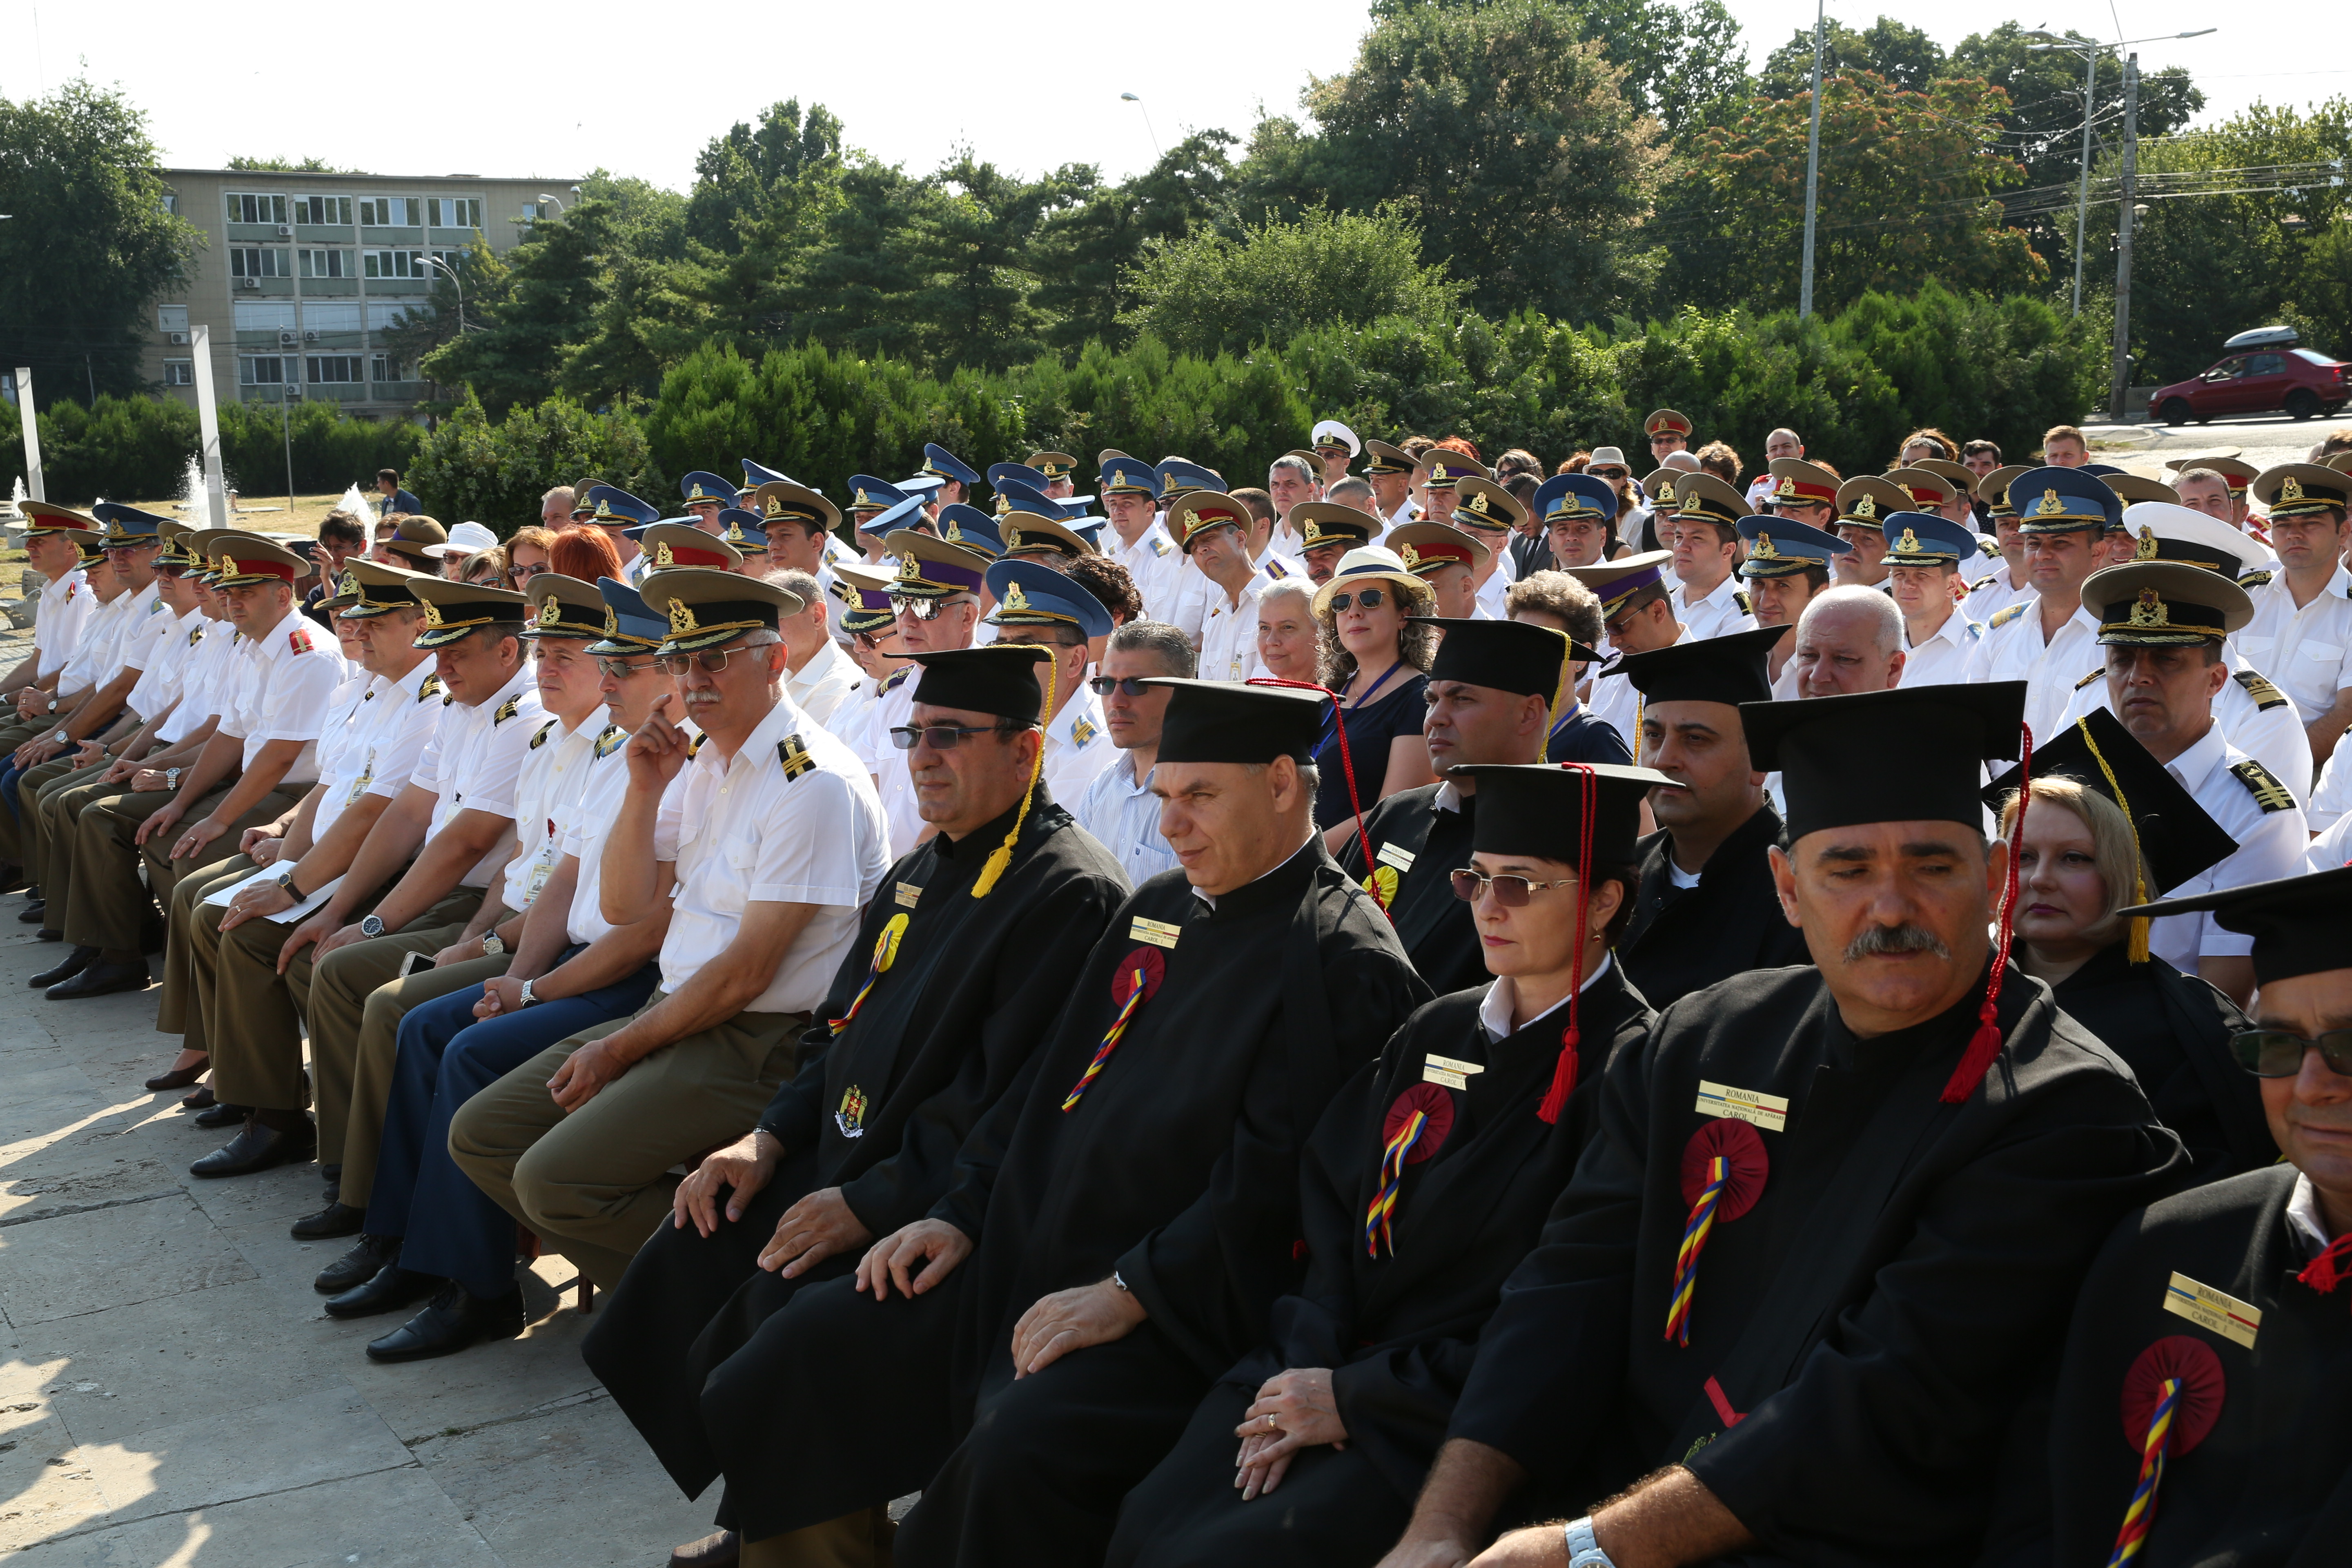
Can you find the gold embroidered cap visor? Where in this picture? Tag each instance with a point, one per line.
(564, 606)
(930, 567)
(454, 609)
(376, 589)
(1033, 531)
(1866, 500)
(2164, 604)
(706, 608)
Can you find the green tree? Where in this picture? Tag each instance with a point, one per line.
(91, 244)
(1684, 63)
(291, 165)
(1207, 292)
(493, 470)
(972, 246)
(544, 304)
(788, 157)
(1083, 255)
(1904, 56)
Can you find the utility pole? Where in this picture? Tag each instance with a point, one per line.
(2119, 382)
(2083, 199)
(1812, 168)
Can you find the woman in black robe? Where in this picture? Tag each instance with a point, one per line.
(2083, 859)
(1424, 1184)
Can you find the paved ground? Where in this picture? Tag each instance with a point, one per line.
(172, 1395)
(2263, 440)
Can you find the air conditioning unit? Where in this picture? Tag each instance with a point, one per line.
(285, 340)
(311, 337)
(248, 282)
(179, 340)
(285, 231)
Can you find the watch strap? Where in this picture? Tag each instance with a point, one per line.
(527, 997)
(1583, 1549)
(286, 881)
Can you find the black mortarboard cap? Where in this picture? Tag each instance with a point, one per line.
(1230, 722)
(1537, 808)
(2301, 925)
(1728, 668)
(1913, 754)
(2176, 838)
(1509, 656)
(999, 678)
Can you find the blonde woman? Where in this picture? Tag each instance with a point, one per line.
(1376, 659)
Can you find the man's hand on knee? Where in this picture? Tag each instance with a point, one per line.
(584, 1071)
(1469, 1482)
(741, 1170)
(915, 1258)
(1069, 1321)
(810, 1231)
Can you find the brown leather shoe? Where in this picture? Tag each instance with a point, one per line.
(719, 1549)
(178, 1077)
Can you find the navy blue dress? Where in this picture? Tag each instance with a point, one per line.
(1396, 709)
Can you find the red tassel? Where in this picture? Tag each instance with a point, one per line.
(1563, 1072)
(1563, 1078)
(2325, 1272)
(1985, 1044)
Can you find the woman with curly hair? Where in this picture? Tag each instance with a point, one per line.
(1378, 661)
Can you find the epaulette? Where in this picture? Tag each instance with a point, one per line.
(2254, 579)
(1274, 568)
(540, 739)
(2002, 617)
(2266, 696)
(447, 700)
(1158, 546)
(432, 688)
(155, 606)
(1740, 599)
(195, 636)
(1083, 732)
(2094, 674)
(694, 747)
(1981, 584)
(300, 640)
(794, 754)
(611, 740)
(1987, 546)
(506, 710)
(368, 698)
(890, 682)
(2268, 792)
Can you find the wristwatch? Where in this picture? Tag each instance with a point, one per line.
(372, 928)
(491, 944)
(287, 882)
(1119, 1282)
(171, 778)
(1583, 1550)
(527, 997)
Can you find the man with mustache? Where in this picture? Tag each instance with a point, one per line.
(1810, 1265)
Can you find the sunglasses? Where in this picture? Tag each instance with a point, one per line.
(1362, 598)
(921, 608)
(2275, 1053)
(1125, 685)
(1510, 892)
(522, 573)
(1610, 473)
(713, 660)
(943, 737)
(622, 669)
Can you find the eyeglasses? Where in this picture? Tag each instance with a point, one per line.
(622, 669)
(1511, 892)
(1125, 685)
(1610, 473)
(2275, 1053)
(522, 574)
(922, 609)
(712, 660)
(1362, 598)
(943, 737)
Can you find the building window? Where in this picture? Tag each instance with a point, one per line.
(249, 209)
(266, 370)
(329, 316)
(179, 372)
(390, 212)
(171, 318)
(172, 203)
(323, 210)
(341, 368)
(383, 367)
(453, 259)
(396, 264)
(454, 212)
(327, 264)
(258, 261)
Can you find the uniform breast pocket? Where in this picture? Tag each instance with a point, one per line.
(2328, 656)
(2257, 650)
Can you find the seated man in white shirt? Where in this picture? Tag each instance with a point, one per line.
(1213, 531)
(1703, 534)
(1118, 807)
(1926, 557)
(822, 677)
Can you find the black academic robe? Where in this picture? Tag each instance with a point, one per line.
(1861, 1337)
(1178, 1168)
(878, 1113)
(1679, 940)
(1399, 1329)
(2269, 1483)
(2173, 1030)
(1423, 844)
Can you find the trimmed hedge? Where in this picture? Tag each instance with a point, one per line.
(473, 467)
(137, 448)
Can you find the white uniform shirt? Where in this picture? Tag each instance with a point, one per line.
(168, 650)
(554, 772)
(1943, 658)
(346, 712)
(1077, 747)
(294, 668)
(2331, 798)
(2252, 715)
(98, 653)
(1720, 613)
(1990, 595)
(1122, 811)
(473, 761)
(749, 834)
(208, 677)
(1155, 564)
(59, 616)
(2331, 849)
(144, 634)
(589, 829)
(1229, 633)
(2307, 651)
(2011, 650)
(823, 686)
(2272, 840)
(894, 781)
(398, 729)
(348, 745)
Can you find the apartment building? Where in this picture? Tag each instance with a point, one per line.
(301, 273)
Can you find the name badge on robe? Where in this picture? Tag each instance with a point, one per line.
(1447, 1070)
(2211, 1309)
(1769, 1111)
(1395, 855)
(907, 893)
(1158, 933)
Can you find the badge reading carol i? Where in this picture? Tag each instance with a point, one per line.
(1769, 1111)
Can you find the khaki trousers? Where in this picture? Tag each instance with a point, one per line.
(110, 905)
(17, 831)
(379, 1049)
(179, 1013)
(596, 1181)
(49, 835)
(163, 873)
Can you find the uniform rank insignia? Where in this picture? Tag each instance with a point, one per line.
(540, 739)
(897, 678)
(2253, 579)
(2268, 792)
(1158, 546)
(2209, 1309)
(2002, 617)
(1274, 568)
(694, 747)
(2099, 674)
(1987, 546)
(506, 710)
(611, 740)
(300, 641)
(432, 688)
(1740, 599)
(1082, 733)
(851, 1116)
(195, 637)
(2266, 696)
(794, 755)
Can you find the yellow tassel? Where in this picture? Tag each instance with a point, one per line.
(2136, 939)
(1558, 690)
(1001, 858)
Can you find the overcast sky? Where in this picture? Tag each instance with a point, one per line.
(552, 91)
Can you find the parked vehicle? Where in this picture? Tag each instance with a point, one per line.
(2265, 370)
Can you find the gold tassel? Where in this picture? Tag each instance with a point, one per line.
(1001, 858)
(1558, 690)
(2135, 938)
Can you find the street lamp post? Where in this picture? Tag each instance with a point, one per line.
(451, 273)
(1812, 167)
(1148, 128)
(552, 202)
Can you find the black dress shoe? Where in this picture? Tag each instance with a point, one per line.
(220, 1113)
(201, 1100)
(357, 1267)
(33, 911)
(390, 1289)
(257, 1148)
(455, 1320)
(335, 1220)
(45, 934)
(101, 980)
(178, 1077)
(66, 968)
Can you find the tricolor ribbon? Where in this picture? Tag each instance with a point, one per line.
(885, 950)
(1140, 987)
(2141, 1514)
(1392, 1161)
(1700, 1225)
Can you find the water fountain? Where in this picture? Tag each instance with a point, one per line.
(16, 499)
(357, 505)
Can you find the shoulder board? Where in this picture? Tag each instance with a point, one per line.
(1274, 569)
(195, 636)
(694, 747)
(432, 688)
(2253, 579)
(506, 710)
(369, 697)
(2266, 696)
(2002, 617)
(794, 754)
(1987, 546)
(1158, 546)
(447, 700)
(611, 740)
(1082, 733)
(156, 606)
(2094, 674)
(1740, 599)
(71, 589)
(300, 641)
(2268, 792)
(545, 730)
(1981, 584)
(895, 676)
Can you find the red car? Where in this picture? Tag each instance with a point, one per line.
(2268, 375)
